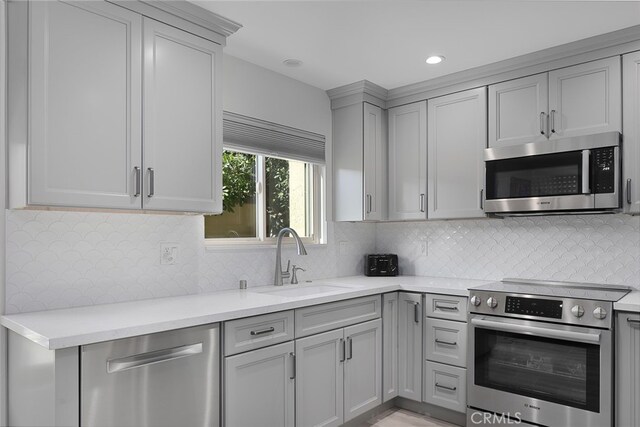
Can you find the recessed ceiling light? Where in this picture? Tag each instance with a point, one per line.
(292, 62)
(436, 59)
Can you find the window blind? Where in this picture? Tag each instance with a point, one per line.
(261, 137)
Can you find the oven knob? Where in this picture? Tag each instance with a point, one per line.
(492, 302)
(475, 300)
(577, 310)
(599, 313)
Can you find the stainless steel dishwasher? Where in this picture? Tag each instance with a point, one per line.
(165, 379)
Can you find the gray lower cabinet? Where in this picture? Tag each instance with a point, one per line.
(389, 346)
(338, 374)
(259, 387)
(410, 346)
(627, 369)
(445, 386)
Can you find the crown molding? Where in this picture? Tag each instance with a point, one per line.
(185, 15)
(362, 91)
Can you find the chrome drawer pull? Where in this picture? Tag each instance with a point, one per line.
(446, 388)
(446, 342)
(636, 321)
(144, 359)
(444, 307)
(263, 331)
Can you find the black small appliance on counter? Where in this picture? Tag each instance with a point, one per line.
(381, 265)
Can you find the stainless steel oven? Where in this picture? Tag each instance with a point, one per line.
(541, 355)
(571, 174)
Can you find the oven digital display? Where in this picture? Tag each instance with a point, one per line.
(534, 307)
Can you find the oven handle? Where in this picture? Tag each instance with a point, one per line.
(586, 337)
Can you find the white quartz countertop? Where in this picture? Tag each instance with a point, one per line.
(630, 302)
(56, 329)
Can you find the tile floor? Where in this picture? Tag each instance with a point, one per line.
(396, 417)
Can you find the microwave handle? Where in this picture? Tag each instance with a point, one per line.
(593, 338)
(586, 171)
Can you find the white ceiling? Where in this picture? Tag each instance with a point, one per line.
(387, 41)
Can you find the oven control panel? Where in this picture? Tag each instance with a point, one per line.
(574, 311)
(534, 307)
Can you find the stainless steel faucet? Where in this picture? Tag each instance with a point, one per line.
(280, 274)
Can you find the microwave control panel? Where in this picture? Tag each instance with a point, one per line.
(603, 170)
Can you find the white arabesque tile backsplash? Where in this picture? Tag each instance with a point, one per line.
(64, 259)
(588, 248)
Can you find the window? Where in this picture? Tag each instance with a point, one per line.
(264, 189)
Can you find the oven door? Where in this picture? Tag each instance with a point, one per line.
(547, 374)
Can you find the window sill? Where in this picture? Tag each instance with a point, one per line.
(254, 246)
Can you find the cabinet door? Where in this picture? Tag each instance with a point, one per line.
(457, 138)
(518, 111)
(319, 379)
(627, 369)
(585, 99)
(363, 368)
(182, 120)
(389, 346)
(631, 132)
(408, 161)
(375, 164)
(259, 387)
(410, 346)
(84, 104)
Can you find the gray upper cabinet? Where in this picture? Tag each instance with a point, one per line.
(518, 111)
(580, 100)
(457, 137)
(408, 161)
(359, 163)
(631, 132)
(182, 120)
(79, 110)
(77, 128)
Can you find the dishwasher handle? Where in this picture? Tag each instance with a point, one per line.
(146, 359)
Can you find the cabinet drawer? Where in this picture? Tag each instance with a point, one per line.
(446, 307)
(255, 332)
(446, 342)
(445, 386)
(325, 317)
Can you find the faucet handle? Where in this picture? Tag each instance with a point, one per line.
(285, 273)
(294, 278)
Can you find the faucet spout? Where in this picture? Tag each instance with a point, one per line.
(301, 251)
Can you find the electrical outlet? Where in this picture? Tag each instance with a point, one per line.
(168, 253)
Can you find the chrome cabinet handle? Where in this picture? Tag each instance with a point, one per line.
(416, 312)
(369, 203)
(445, 342)
(444, 307)
(446, 387)
(628, 191)
(263, 331)
(536, 330)
(422, 202)
(542, 117)
(553, 121)
(586, 174)
(482, 199)
(350, 342)
(137, 178)
(145, 359)
(292, 356)
(342, 350)
(152, 184)
(634, 321)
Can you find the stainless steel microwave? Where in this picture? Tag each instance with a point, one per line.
(570, 175)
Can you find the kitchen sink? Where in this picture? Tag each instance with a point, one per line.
(294, 291)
